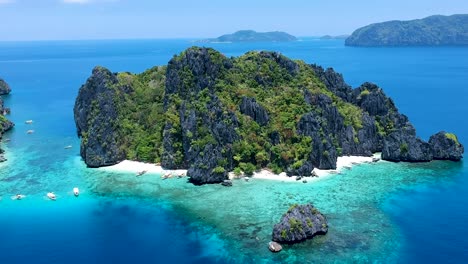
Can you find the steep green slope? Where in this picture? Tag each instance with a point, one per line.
(211, 114)
(430, 31)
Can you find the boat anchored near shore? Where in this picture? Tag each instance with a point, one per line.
(28, 122)
(51, 196)
(18, 197)
(140, 173)
(76, 191)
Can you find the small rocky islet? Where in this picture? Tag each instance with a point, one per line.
(299, 223)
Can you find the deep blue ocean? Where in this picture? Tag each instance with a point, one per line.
(381, 213)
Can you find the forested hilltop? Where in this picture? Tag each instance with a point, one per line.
(211, 114)
(429, 31)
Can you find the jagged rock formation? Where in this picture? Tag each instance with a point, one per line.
(5, 124)
(251, 108)
(429, 31)
(96, 114)
(299, 223)
(4, 87)
(445, 146)
(403, 145)
(211, 114)
(187, 76)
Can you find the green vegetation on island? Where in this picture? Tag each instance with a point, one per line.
(211, 114)
(430, 31)
(5, 124)
(253, 36)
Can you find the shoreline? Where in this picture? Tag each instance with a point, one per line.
(130, 166)
(344, 162)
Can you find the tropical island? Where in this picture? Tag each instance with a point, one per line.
(328, 37)
(430, 31)
(211, 114)
(5, 124)
(252, 36)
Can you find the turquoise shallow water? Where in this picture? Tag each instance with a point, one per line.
(381, 212)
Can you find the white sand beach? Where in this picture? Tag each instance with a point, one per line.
(345, 162)
(136, 167)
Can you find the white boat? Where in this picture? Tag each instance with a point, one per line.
(18, 197)
(76, 191)
(28, 122)
(167, 175)
(51, 196)
(30, 131)
(68, 147)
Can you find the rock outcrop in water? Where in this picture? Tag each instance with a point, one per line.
(300, 222)
(211, 114)
(445, 146)
(4, 87)
(429, 31)
(5, 124)
(405, 146)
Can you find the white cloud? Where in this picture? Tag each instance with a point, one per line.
(6, 1)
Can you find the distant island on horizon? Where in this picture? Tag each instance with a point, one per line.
(325, 37)
(434, 30)
(252, 36)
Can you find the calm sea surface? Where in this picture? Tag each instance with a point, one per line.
(385, 212)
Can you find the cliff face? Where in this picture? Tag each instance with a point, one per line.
(445, 146)
(430, 31)
(5, 124)
(4, 87)
(300, 222)
(96, 115)
(211, 114)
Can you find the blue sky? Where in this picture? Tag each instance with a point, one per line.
(115, 19)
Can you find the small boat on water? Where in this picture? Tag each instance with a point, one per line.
(141, 172)
(51, 196)
(167, 175)
(68, 147)
(76, 191)
(30, 131)
(28, 122)
(18, 197)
